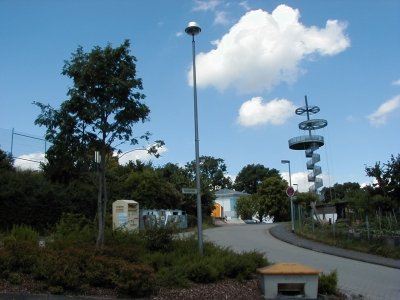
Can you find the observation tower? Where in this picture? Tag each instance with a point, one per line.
(310, 143)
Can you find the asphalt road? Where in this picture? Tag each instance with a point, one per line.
(355, 277)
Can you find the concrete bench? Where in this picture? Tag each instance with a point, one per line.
(289, 280)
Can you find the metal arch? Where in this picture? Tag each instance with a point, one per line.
(304, 109)
(313, 124)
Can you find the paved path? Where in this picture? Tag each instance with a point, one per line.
(282, 233)
(373, 281)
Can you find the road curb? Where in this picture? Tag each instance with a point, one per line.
(281, 232)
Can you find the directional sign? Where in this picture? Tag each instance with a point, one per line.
(189, 191)
(290, 191)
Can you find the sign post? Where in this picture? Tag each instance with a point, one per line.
(290, 193)
(189, 191)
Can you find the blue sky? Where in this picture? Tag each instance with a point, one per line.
(256, 60)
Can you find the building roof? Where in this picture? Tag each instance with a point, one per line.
(229, 192)
(288, 269)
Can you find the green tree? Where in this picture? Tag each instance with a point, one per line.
(251, 176)
(305, 199)
(213, 172)
(104, 104)
(338, 191)
(271, 199)
(6, 161)
(245, 207)
(387, 176)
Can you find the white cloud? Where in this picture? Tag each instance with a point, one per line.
(301, 179)
(262, 50)
(204, 5)
(29, 161)
(139, 154)
(221, 18)
(245, 5)
(396, 82)
(256, 112)
(380, 116)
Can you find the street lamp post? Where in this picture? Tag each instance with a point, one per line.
(194, 29)
(284, 161)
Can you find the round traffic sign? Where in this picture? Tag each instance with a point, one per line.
(290, 191)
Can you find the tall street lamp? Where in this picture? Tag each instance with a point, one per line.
(194, 29)
(290, 192)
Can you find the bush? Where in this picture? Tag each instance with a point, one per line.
(125, 264)
(327, 283)
(15, 278)
(135, 280)
(242, 266)
(24, 233)
(63, 268)
(174, 276)
(74, 229)
(202, 271)
(159, 238)
(4, 264)
(100, 271)
(62, 271)
(22, 256)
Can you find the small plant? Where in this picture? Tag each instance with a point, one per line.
(14, 278)
(74, 228)
(327, 283)
(136, 280)
(24, 233)
(202, 271)
(159, 238)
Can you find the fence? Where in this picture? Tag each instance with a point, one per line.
(28, 150)
(373, 228)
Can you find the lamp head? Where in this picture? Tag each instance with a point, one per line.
(193, 29)
(285, 161)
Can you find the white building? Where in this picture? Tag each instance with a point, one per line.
(225, 204)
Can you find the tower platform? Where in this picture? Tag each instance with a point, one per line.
(305, 142)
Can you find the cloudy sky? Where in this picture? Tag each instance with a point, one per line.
(256, 61)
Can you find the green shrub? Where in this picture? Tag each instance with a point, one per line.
(14, 278)
(24, 233)
(159, 238)
(159, 260)
(102, 271)
(22, 256)
(4, 263)
(56, 290)
(61, 268)
(74, 229)
(201, 271)
(327, 283)
(173, 277)
(136, 280)
(243, 266)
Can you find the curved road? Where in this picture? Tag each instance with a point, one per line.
(355, 277)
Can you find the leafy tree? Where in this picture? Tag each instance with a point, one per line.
(151, 190)
(245, 207)
(6, 161)
(387, 176)
(213, 172)
(104, 104)
(338, 191)
(305, 199)
(251, 176)
(271, 199)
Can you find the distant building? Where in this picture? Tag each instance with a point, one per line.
(225, 204)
